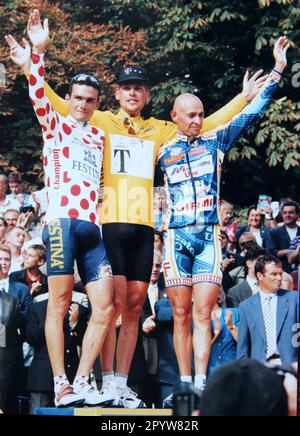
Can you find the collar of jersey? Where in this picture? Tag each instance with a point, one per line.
(78, 123)
(191, 140)
(122, 115)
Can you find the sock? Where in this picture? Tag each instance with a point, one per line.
(79, 382)
(121, 380)
(186, 378)
(108, 377)
(200, 380)
(59, 382)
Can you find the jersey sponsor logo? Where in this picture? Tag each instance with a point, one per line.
(56, 244)
(174, 151)
(178, 173)
(173, 159)
(209, 135)
(197, 151)
(203, 204)
(57, 165)
(131, 156)
(201, 166)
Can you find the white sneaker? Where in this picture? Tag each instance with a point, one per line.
(66, 397)
(168, 402)
(92, 397)
(110, 388)
(130, 399)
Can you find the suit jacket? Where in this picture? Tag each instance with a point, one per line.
(40, 376)
(252, 337)
(11, 353)
(20, 276)
(238, 293)
(20, 291)
(281, 241)
(265, 234)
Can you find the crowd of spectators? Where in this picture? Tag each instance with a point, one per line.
(25, 370)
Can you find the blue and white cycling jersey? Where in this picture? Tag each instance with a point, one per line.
(192, 166)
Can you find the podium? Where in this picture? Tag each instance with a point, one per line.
(100, 411)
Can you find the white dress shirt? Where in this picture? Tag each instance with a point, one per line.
(4, 284)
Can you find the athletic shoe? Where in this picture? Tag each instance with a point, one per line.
(92, 397)
(66, 397)
(168, 402)
(110, 388)
(130, 399)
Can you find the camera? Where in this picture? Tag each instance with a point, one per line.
(185, 399)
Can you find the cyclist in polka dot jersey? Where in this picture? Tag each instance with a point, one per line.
(73, 152)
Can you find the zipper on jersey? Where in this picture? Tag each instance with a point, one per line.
(191, 177)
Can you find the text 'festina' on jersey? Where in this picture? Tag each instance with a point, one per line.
(73, 153)
(192, 167)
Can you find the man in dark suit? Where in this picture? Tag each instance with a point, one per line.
(10, 349)
(268, 318)
(24, 299)
(249, 286)
(40, 376)
(282, 236)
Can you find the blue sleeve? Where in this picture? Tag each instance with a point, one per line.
(243, 344)
(163, 310)
(229, 133)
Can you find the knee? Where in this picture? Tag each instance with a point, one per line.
(118, 305)
(203, 314)
(133, 311)
(182, 315)
(58, 306)
(103, 315)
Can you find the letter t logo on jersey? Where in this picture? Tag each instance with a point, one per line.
(122, 159)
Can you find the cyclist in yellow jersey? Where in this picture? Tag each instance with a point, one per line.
(127, 213)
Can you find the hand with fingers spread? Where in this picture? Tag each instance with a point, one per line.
(280, 48)
(38, 32)
(18, 54)
(252, 85)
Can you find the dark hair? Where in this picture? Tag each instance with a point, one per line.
(222, 232)
(251, 208)
(40, 251)
(262, 261)
(85, 79)
(244, 388)
(4, 221)
(290, 203)
(14, 178)
(254, 251)
(160, 234)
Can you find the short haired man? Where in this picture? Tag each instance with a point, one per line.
(16, 189)
(11, 217)
(192, 165)
(6, 202)
(73, 153)
(283, 236)
(268, 318)
(249, 286)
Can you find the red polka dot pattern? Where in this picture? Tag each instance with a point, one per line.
(41, 71)
(66, 152)
(41, 112)
(84, 204)
(53, 124)
(93, 195)
(32, 80)
(66, 129)
(75, 190)
(87, 184)
(45, 161)
(40, 93)
(64, 200)
(73, 213)
(93, 217)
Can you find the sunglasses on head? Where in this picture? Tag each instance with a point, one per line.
(85, 78)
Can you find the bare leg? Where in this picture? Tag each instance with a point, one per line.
(60, 294)
(100, 296)
(181, 299)
(109, 345)
(136, 295)
(205, 297)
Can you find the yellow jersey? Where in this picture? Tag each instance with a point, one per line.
(131, 147)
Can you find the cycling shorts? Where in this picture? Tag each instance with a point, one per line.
(68, 240)
(193, 255)
(129, 249)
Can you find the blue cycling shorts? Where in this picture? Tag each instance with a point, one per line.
(68, 240)
(192, 254)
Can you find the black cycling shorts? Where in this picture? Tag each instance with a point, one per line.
(129, 249)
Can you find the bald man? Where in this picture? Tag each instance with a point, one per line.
(192, 166)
